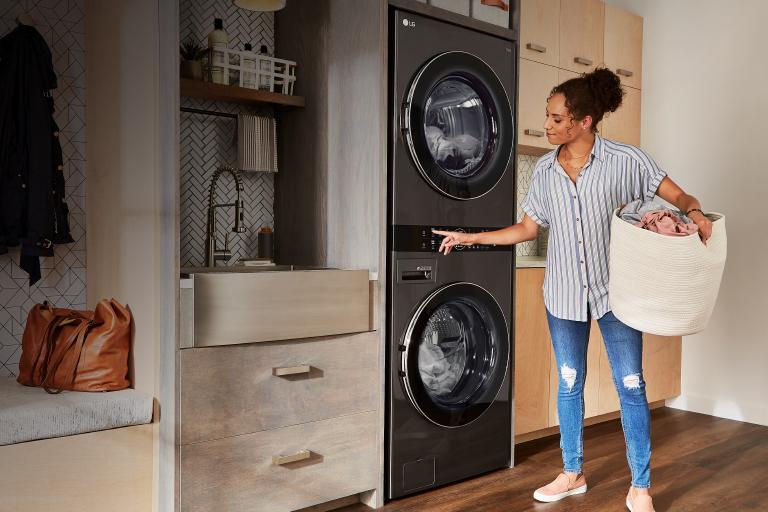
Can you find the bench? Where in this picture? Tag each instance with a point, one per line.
(75, 451)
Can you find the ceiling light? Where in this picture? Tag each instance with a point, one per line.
(260, 5)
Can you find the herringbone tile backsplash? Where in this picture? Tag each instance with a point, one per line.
(209, 142)
(63, 275)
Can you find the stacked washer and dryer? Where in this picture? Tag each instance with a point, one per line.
(449, 318)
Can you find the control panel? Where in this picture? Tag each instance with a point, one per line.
(422, 239)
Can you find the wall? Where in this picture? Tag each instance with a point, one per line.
(703, 120)
(63, 275)
(208, 142)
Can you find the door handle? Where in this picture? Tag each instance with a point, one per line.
(291, 370)
(582, 60)
(281, 460)
(536, 47)
(534, 133)
(624, 72)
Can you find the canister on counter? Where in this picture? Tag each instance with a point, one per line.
(265, 239)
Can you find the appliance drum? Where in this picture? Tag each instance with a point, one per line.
(455, 354)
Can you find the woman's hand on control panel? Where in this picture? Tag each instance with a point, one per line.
(453, 238)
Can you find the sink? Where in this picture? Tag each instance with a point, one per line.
(239, 304)
(246, 269)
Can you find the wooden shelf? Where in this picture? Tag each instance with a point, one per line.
(232, 94)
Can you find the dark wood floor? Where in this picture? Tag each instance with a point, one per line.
(699, 463)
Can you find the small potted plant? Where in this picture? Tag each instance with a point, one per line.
(191, 60)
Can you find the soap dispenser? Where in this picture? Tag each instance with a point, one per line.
(218, 39)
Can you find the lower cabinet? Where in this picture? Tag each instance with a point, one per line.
(278, 426)
(537, 375)
(282, 469)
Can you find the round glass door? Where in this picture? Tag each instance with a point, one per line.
(456, 354)
(457, 122)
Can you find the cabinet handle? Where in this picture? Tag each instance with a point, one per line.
(280, 460)
(624, 72)
(291, 370)
(534, 133)
(536, 47)
(582, 60)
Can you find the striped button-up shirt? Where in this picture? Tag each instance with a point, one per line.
(579, 217)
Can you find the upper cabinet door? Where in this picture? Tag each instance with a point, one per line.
(624, 45)
(581, 34)
(540, 31)
(624, 124)
(536, 80)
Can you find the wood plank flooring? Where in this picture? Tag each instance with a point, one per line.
(699, 463)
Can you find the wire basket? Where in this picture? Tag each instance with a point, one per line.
(249, 70)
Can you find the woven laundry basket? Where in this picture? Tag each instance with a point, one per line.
(661, 284)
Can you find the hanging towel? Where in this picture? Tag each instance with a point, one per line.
(256, 143)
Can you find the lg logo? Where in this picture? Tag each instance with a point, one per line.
(408, 23)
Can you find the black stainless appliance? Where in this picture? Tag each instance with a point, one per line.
(452, 131)
(449, 361)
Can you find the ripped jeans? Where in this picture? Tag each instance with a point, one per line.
(624, 346)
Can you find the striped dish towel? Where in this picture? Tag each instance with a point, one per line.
(256, 143)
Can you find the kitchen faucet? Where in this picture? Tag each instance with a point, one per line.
(212, 252)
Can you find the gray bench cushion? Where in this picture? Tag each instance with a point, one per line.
(29, 413)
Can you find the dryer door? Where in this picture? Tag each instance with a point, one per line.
(455, 354)
(457, 123)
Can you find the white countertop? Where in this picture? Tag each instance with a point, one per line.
(530, 261)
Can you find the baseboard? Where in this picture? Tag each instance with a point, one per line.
(592, 420)
(720, 408)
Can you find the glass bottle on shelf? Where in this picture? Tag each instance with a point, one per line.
(266, 70)
(248, 64)
(218, 39)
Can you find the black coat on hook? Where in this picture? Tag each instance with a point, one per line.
(33, 212)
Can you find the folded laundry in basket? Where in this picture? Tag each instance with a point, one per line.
(657, 218)
(665, 222)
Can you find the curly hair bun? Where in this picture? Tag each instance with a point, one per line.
(606, 87)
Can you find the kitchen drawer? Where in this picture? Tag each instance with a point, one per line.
(239, 474)
(228, 391)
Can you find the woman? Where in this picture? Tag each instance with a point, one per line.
(574, 190)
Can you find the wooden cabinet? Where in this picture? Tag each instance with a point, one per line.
(532, 353)
(624, 124)
(271, 385)
(540, 31)
(278, 425)
(624, 45)
(282, 469)
(537, 374)
(575, 36)
(536, 81)
(581, 34)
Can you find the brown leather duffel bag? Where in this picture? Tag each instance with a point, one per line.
(66, 349)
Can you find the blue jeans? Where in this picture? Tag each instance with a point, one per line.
(624, 346)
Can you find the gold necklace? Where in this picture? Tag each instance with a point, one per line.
(576, 157)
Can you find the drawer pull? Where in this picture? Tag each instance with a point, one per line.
(534, 133)
(291, 370)
(582, 60)
(280, 460)
(536, 47)
(624, 72)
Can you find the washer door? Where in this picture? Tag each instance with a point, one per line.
(457, 123)
(455, 354)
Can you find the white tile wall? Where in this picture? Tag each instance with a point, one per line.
(61, 23)
(209, 142)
